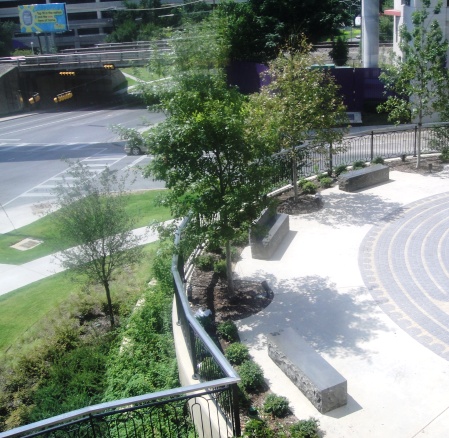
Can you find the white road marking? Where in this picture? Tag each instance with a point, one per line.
(135, 162)
(80, 147)
(93, 167)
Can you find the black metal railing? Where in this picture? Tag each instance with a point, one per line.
(206, 360)
(364, 146)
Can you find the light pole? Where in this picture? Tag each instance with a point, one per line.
(32, 48)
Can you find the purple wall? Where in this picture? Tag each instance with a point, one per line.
(358, 85)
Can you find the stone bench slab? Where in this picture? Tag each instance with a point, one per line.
(362, 178)
(264, 248)
(322, 384)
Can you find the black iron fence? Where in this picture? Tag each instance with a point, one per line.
(364, 146)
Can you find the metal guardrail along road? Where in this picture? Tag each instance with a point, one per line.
(120, 59)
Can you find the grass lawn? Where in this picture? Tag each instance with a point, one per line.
(141, 73)
(22, 311)
(141, 207)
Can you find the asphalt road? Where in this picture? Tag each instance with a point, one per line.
(34, 148)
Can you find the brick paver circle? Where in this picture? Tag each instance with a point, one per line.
(404, 261)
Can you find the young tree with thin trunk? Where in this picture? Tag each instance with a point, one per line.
(91, 216)
(418, 78)
(299, 104)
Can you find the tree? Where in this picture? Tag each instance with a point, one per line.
(340, 51)
(418, 79)
(299, 104)
(258, 28)
(201, 150)
(136, 21)
(91, 216)
(386, 22)
(6, 37)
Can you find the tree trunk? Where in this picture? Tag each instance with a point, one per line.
(418, 153)
(108, 296)
(231, 290)
(295, 174)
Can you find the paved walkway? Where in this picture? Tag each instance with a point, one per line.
(365, 282)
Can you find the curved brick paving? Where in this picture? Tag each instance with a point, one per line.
(404, 261)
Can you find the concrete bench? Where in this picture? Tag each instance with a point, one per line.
(267, 233)
(324, 386)
(361, 178)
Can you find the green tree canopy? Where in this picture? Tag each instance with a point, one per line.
(299, 104)
(202, 150)
(91, 210)
(6, 36)
(418, 80)
(257, 28)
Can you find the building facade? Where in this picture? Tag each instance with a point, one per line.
(402, 15)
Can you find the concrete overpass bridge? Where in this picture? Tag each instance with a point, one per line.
(81, 60)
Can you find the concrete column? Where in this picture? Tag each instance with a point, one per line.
(370, 33)
(99, 17)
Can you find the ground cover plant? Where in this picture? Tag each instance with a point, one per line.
(142, 206)
(72, 358)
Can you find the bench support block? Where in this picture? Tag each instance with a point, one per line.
(275, 226)
(361, 178)
(324, 386)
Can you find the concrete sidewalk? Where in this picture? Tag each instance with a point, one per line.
(396, 386)
(16, 276)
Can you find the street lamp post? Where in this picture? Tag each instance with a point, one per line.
(32, 48)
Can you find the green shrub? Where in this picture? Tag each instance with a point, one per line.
(220, 268)
(305, 429)
(378, 160)
(326, 182)
(358, 165)
(244, 398)
(341, 168)
(257, 428)
(228, 331)
(237, 353)
(323, 176)
(276, 405)
(340, 51)
(308, 187)
(444, 157)
(252, 376)
(207, 323)
(205, 262)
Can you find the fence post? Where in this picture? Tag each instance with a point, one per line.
(236, 413)
(193, 352)
(372, 146)
(414, 143)
(92, 425)
(329, 172)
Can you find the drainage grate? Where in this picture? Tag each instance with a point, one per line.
(26, 244)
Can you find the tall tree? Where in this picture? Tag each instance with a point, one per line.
(258, 28)
(91, 216)
(418, 78)
(6, 37)
(201, 150)
(298, 104)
